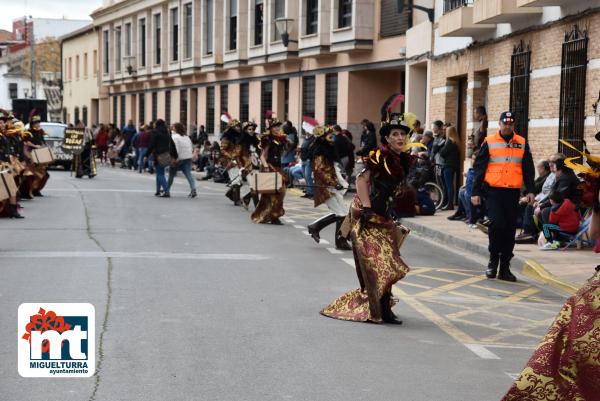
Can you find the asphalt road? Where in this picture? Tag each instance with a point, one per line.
(195, 302)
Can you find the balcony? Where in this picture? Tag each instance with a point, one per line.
(418, 39)
(542, 3)
(458, 20)
(501, 11)
(358, 35)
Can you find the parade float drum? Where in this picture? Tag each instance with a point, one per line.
(42, 155)
(8, 188)
(266, 182)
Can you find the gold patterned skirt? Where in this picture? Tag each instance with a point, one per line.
(324, 178)
(566, 364)
(270, 206)
(378, 267)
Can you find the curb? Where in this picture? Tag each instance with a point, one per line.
(526, 267)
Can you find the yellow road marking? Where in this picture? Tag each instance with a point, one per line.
(482, 287)
(522, 294)
(457, 272)
(409, 284)
(451, 286)
(445, 280)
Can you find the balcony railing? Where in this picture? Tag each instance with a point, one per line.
(450, 5)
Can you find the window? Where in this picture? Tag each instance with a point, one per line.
(70, 70)
(344, 13)
(157, 38)
(286, 98)
(85, 65)
(64, 115)
(84, 115)
(115, 109)
(331, 89)
(118, 49)
(244, 101)
(308, 96)
(142, 42)
(266, 100)
(188, 26)
(76, 120)
(154, 106)
(95, 62)
(224, 104)
(105, 50)
(393, 23)
(142, 108)
(572, 90)
(519, 87)
(258, 22)
(279, 12)
(122, 116)
(233, 4)
(168, 107)
(128, 39)
(13, 90)
(210, 110)
(174, 34)
(208, 32)
(183, 105)
(312, 16)
(77, 67)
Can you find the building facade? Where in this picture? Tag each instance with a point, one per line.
(192, 60)
(537, 58)
(81, 79)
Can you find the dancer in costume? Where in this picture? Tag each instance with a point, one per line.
(329, 185)
(230, 150)
(85, 162)
(248, 142)
(375, 239)
(8, 207)
(40, 171)
(272, 144)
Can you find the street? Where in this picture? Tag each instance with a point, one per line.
(195, 302)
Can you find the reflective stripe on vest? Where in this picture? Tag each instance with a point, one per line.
(505, 165)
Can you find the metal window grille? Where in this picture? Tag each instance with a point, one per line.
(168, 107)
(210, 110)
(143, 42)
(142, 108)
(331, 89)
(244, 101)
(84, 115)
(312, 16)
(519, 87)
(344, 13)
(308, 96)
(393, 23)
(266, 100)
(450, 5)
(572, 89)
(122, 119)
(224, 104)
(154, 106)
(183, 105)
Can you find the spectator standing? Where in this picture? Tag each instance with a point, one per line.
(289, 157)
(162, 148)
(503, 165)
(128, 132)
(480, 126)
(183, 147)
(449, 158)
(368, 138)
(306, 157)
(439, 140)
(102, 138)
(144, 139)
(202, 135)
(344, 150)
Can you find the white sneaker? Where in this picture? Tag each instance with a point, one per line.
(472, 226)
(551, 246)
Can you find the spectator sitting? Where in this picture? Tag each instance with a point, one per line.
(542, 189)
(204, 159)
(466, 209)
(567, 184)
(425, 205)
(427, 140)
(563, 218)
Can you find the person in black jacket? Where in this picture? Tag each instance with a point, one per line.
(449, 157)
(163, 149)
(368, 139)
(566, 184)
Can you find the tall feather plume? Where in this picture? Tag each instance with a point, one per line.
(389, 104)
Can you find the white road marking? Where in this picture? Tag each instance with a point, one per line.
(349, 261)
(121, 190)
(324, 241)
(305, 232)
(334, 251)
(144, 255)
(481, 351)
(299, 227)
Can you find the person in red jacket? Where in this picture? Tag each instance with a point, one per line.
(564, 218)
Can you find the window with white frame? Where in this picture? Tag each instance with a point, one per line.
(208, 27)
(13, 90)
(105, 50)
(142, 31)
(344, 13)
(187, 28)
(174, 34)
(312, 17)
(258, 22)
(232, 32)
(128, 39)
(278, 12)
(118, 54)
(157, 39)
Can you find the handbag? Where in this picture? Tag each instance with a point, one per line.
(164, 159)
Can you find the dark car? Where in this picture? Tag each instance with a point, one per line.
(55, 133)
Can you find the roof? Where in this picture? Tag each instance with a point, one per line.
(77, 32)
(6, 35)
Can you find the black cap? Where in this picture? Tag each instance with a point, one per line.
(507, 116)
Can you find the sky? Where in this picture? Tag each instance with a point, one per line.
(69, 9)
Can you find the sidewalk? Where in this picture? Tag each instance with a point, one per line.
(563, 270)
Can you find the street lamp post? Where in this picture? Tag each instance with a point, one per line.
(283, 26)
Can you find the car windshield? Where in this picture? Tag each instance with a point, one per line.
(54, 131)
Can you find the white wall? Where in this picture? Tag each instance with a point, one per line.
(22, 84)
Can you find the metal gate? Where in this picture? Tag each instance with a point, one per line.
(572, 90)
(519, 87)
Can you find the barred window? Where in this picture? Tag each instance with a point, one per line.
(519, 87)
(210, 110)
(154, 106)
(122, 116)
(266, 100)
(183, 105)
(331, 89)
(244, 101)
(312, 16)
(142, 108)
(308, 96)
(168, 107)
(393, 23)
(224, 102)
(84, 115)
(572, 89)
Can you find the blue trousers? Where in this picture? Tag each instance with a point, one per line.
(161, 180)
(307, 170)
